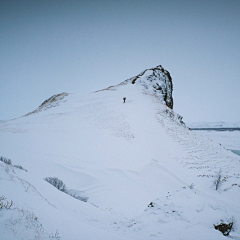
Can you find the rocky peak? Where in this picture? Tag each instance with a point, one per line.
(157, 81)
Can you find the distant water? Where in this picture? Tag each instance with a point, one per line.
(236, 152)
(227, 137)
(216, 129)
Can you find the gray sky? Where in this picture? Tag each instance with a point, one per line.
(48, 47)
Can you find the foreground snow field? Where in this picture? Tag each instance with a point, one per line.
(143, 173)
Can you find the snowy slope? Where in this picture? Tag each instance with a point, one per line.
(146, 176)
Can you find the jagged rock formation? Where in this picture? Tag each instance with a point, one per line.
(156, 81)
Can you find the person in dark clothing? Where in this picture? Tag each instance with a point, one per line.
(124, 99)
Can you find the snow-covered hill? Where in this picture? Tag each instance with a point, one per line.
(141, 173)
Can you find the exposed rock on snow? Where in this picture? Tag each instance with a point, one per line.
(156, 81)
(53, 101)
(225, 228)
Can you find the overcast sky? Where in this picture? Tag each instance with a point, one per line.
(48, 47)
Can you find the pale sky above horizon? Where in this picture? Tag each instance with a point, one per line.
(54, 46)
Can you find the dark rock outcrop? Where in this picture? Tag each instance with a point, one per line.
(224, 228)
(157, 81)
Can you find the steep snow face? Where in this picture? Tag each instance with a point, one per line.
(157, 81)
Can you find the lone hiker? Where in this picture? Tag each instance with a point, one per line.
(124, 99)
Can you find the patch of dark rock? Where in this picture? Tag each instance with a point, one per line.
(224, 228)
(151, 204)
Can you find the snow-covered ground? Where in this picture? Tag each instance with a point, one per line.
(145, 175)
